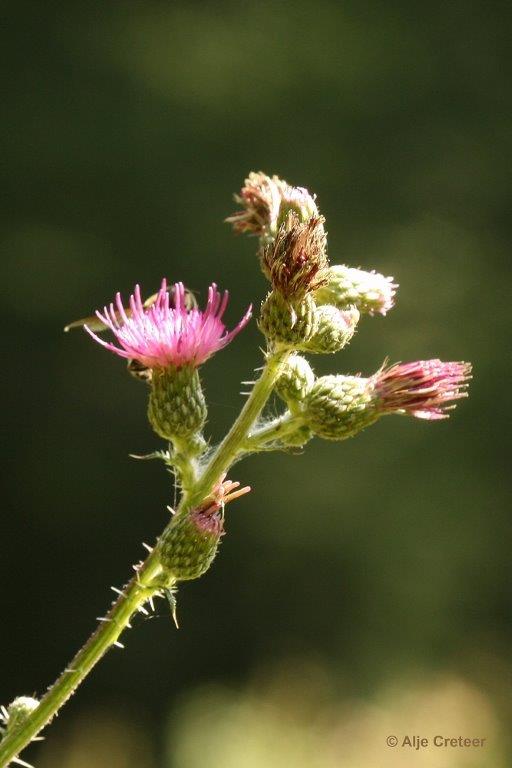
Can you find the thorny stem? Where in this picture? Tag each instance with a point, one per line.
(145, 584)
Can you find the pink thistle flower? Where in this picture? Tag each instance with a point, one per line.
(167, 333)
(423, 389)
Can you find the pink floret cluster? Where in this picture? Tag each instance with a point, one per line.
(209, 517)
(384, 294)
(423, 389)
(167, 333)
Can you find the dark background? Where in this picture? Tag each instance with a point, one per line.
(364, 587)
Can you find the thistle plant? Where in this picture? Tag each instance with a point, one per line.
(311, 308)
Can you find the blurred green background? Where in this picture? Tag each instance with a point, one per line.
(364, 587)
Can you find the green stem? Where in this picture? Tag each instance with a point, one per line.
(229, 448)
(185, 463)
(145, 583)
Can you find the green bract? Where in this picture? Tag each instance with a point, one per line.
(335, 329)
(370, 292)
(288, 323)
(296, 380)
(177, 408)
(190, 545)
(339, 407)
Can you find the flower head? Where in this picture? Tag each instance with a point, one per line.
(167, 333)
(370, 292)
(423, 389)
(190, 545)
(338, 407)
(260, 198)
(296, 262)
(266, 201)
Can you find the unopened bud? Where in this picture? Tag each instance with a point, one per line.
(296, 261)
(296, 380)
(335, 329)
(340, 406)
(287, 323)
(17, 712)
(190, 544)
(177, 407)
(297, 200)
(370, 292)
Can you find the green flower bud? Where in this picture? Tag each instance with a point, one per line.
(340, 406)
(296, 380)
(288, 323)
(296, 200)
(334, 331)
(177, 406)
(370, 292)
(17, 712)
(190, 545)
